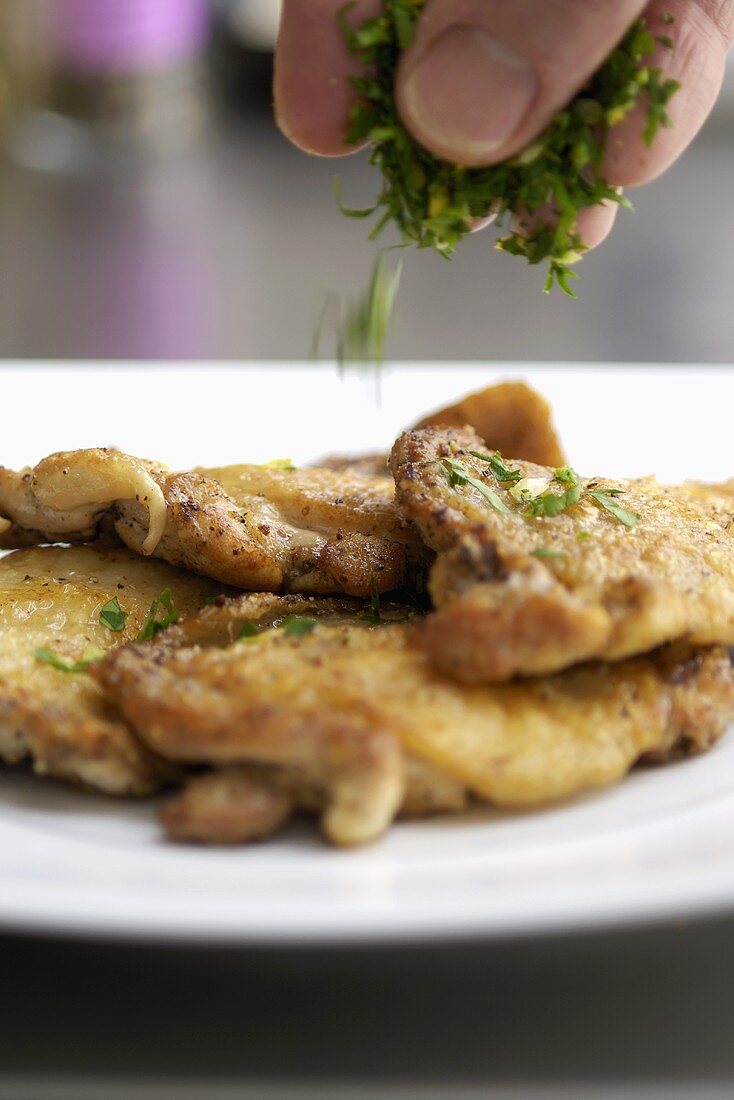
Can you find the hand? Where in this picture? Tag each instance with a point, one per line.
(484, 77)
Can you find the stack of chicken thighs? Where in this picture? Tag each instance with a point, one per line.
(464, 621)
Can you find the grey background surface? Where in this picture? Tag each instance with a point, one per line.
(650, 1006)
(230, 251)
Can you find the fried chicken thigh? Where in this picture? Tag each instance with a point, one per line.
(519, 593)
(50, 601)
(253, 527)
(344, 704)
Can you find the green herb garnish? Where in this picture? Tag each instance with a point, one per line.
(248, 630)
(497, 465)
(112, 615)
(280, 464)
(153, 625)
(295, 626)
(89, 656)
(373, 615)
(459, 475)
(543, 553)
(552, 504)
(583, 536)
(608, 502)
(433, 203)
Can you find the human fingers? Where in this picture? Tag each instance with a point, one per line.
(702, 31)
(312, 71)
(481, 80)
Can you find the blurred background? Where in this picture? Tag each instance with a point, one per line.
(150, 208)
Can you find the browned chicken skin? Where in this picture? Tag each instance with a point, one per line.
(337, 708)
(511, 416)
(252, 527)
(518, 594)
(267, 704)
(51, 598)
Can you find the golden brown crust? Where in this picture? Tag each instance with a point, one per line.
(252, 527)
(51, 598)
(512, 417)
(358, 767)
(502, 611)
(229, 806)
(337, 710)
(236, 805)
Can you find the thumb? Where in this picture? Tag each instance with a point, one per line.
(482, 79)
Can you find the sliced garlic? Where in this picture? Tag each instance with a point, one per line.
(528, 488)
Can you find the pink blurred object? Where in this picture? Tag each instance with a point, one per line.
(114, 36)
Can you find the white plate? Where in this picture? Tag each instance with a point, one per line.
(659, 844)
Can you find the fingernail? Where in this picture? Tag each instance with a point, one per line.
(466, 94)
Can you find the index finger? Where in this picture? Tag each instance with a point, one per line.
(312, 71)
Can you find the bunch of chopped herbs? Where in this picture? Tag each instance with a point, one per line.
(433, 203)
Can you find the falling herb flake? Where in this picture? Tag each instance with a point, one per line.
(113, 616)
(608, 502)
(90, 655)
(459, 475)
(496, 463)
(153, 625)
(434, 203)
(361, 327)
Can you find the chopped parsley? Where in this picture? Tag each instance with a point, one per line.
(497, 465)
(113, 616)
(608, 502)
(433, 203)
(248, 630)
(295, 626)
(552, 504)
(458, 474)
(89, 656)
(542, 552)
(154, 624)
(373, 615)
(280, 464)
(292, 626)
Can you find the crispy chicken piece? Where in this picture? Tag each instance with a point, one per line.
(229, 806)
(51, 599)
(518, 594)
(512, 417)
(253, 527)
(242, 803)
(343, 702)
(358, 771)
